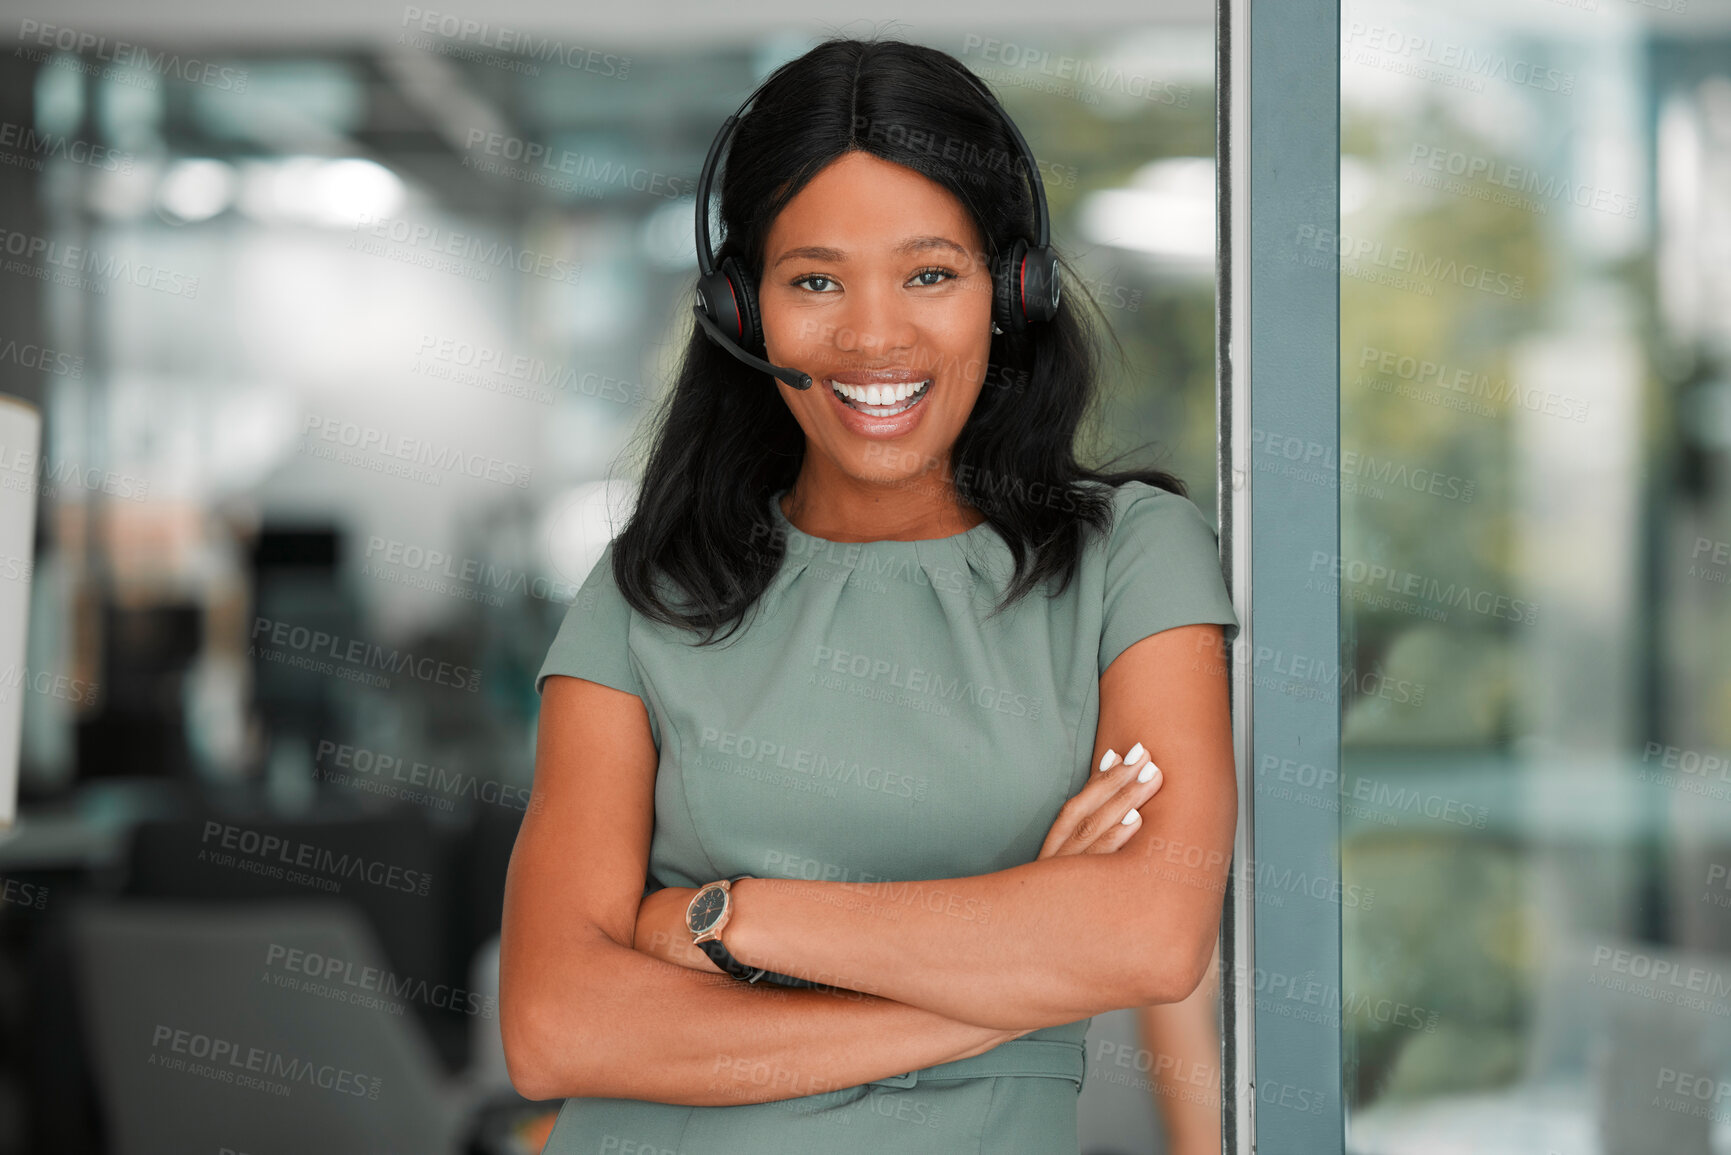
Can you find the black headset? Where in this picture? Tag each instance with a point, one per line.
(1025, 285)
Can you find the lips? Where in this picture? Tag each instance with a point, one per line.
(858, 418)
(882, 400)
(880, 377)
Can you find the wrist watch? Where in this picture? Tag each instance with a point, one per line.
(707, 915)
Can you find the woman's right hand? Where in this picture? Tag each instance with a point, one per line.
(1093, 821)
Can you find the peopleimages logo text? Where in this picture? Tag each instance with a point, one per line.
(361, 654)
(293, 852)
(126, 54)
(1356, 251)
(227, 1059)
(514, 41)
(468, 247)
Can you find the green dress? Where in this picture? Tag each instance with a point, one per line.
(869, 724)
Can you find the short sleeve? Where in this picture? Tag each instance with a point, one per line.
(594, 640)
(1162, 570)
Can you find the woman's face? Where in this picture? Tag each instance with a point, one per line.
(875, 274)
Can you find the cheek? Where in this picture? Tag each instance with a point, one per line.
(960, 404)
(965, 359)
(787, 328)
(967, 334)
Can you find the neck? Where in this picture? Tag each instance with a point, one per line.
(847, 509)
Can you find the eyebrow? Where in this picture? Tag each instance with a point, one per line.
(911, 245)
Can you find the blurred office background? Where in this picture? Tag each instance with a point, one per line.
(341, 320)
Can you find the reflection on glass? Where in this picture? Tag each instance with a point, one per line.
(1535, 796)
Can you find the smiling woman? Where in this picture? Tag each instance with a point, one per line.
(877, 802)
(900, 344)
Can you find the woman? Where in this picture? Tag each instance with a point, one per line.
(939, 624)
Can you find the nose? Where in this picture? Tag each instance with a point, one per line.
(876, 321)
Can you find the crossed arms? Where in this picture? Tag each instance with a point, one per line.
(1048, 942)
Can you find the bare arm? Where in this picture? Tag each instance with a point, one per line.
(582, 1013)
(670, 1035)
(1002, 949)
(1183, 1042)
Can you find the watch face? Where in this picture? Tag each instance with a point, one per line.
(705, 909)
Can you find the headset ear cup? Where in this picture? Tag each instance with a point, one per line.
(753, 316)
(716, 301)
(1006, 286)
(1040, 288)
(745, 300)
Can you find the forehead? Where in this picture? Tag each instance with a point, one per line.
(861, 203)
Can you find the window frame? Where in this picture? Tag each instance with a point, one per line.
(1278, 372)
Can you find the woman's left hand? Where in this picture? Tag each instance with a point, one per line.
(661, 930)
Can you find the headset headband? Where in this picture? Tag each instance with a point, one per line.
(705, 258)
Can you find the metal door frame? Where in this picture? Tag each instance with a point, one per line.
(1277, 310)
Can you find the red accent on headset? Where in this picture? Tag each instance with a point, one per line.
(1024, 286)
(738, 317)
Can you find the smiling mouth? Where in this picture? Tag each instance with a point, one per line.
(889, 399)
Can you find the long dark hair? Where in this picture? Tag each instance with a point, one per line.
(724, 441)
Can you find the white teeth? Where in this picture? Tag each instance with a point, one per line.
(878, 394)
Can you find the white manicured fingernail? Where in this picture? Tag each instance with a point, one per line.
(1107, 760)
(1132, 818)
(1136, 752)
(1148, 771)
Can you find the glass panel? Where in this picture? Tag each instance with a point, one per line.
(341, 354)
(1535, 255)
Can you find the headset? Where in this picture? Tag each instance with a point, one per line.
(1025, 287)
